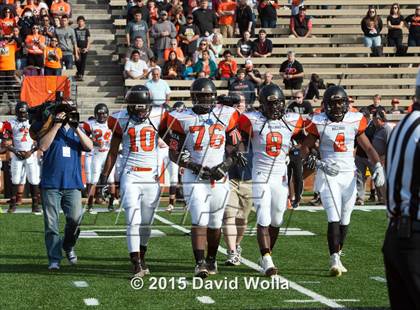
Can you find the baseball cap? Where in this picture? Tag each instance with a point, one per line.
(163, 13)
(248, 62)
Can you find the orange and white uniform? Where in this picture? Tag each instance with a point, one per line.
(22, 141)
(338, 193)
(101, 136)
(139, 185)
(205, 139)
(270, 140)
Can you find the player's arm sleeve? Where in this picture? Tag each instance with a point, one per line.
(86, 128)
(233, 136)
(298, 127)
(115, 126)
(175, 138)
(362, 126)
(311, 128)
(245, 128)
(163, 125)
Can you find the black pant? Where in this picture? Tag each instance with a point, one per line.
(81, 64)
(36, 60)
(402, 266)
(395, 41)
(295, 168)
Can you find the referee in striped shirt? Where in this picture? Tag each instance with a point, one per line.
(401, 247)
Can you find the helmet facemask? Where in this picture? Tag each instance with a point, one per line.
(22, 114)
(101, 116)
(139, 112)
(203, 101)
(273, 109)
(336, 108)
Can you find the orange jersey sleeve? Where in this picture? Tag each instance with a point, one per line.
(86, 128)
(311, 128)
(245, 126)
(174, 125)
(114, 125)
(233, 121)
(362, 126)
(299, 126)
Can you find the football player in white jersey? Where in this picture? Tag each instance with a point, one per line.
(269, 131)
(337, 128)
(101, 136)
(138, 129)
(198, 139)
(24, 159)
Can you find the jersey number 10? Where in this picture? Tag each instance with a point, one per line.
(147, 139)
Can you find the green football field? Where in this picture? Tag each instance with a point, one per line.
(101, 277)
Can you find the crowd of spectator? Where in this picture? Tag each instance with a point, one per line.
(36, 38)
(187, 40)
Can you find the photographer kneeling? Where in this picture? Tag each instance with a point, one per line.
(61, 181)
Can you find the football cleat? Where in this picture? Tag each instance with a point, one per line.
(335, 268)
(233, 259)
(12, 209)
(201, 270)
(169, 208)
(144, 267)
(71, 256)
(343, 269)
(239, 250)
(211, 265)
(267, 265)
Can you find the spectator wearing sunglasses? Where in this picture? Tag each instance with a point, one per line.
(372, 26)
(7, 22)
(395, 23)
(53, 56)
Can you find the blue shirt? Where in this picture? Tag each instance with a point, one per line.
(61, 164)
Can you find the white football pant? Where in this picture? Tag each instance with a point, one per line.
(98, 163)
(20, 169)
(338, 195)
(270, 193)
(206, 200)
(140, 193)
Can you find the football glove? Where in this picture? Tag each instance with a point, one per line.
(202, 172)
(218, 172)
(329, 168)
(310, 162)
(378, 175)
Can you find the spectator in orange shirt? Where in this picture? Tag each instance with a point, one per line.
(7, 22)
(174, 47)
(7, 69)
(35, 43)
(53, 56)
(31, 5)
(60, 8)
(227, 67)
(226, 14)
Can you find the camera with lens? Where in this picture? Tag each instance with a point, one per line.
(43, 116)
(229, 100)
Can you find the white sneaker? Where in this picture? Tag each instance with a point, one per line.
(343, 269)
(54, 266)
(233, 259)
(267, 265)
(116, 202)
(335, 268)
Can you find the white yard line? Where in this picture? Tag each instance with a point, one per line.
(303, 301)
(319, 298)
(91, 302)
(80, 284)
(379, 279)
(205, 299)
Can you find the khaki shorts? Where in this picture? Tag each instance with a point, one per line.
(240, 199)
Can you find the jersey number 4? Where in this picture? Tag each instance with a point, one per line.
(147, 139)
(273, 143)
(216, 139)
(339, 143)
